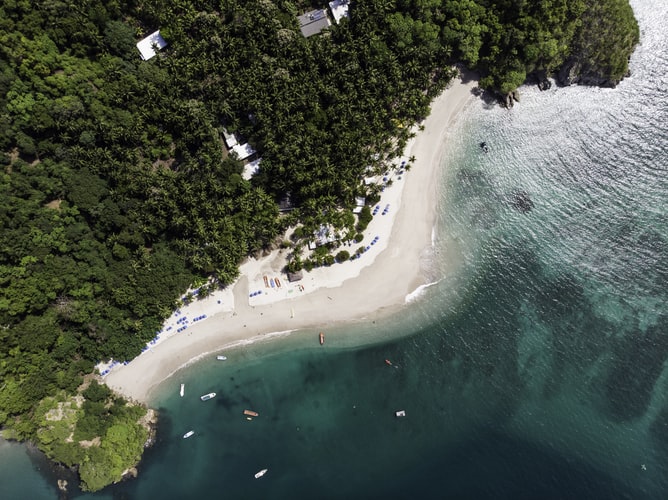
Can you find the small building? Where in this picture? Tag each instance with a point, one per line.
(296, 276)
(313, 22)
(339, 9)
(285, 204)
(243, 151)
(251, 168)
(148, 45)
(325, 234)
(360, 201)
(230, 139)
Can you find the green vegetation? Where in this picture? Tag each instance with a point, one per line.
(102, 433)
(116, 193)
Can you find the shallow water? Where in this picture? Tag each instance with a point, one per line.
(533, 369)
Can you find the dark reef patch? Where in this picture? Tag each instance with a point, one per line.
(638, 360)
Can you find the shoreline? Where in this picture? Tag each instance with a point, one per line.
(381, 281)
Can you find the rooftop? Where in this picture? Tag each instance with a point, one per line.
(147, 45)
(339, 9)
(313, 22)
(230, 139)
(243, 151)
(251, 168)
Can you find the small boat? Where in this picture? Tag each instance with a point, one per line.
(388, 362)
(188, 434)
(261, 473)
(322, 338)
(400, 413)
(251, 413)
(278, 283)
(206, 397)
(183, 390)
(220, 357)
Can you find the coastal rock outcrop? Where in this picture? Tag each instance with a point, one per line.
(542, 80)
(574, 72)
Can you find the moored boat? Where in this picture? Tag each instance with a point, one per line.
(322, 338)
(188, 434)
(220, 357)
(261, 473)
(206, 397)
(251, 413)
(400, 413)
(183, 390)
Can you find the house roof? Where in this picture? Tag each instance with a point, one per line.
(146, 45)
(243, 151)
(360, 201)
(339, 9)
(251, 168)
(230, 139)
(313, 22)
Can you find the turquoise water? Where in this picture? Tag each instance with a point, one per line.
(534, 368)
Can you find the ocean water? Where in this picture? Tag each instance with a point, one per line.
(534, 368)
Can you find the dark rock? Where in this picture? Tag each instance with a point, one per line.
(508, 100)
(545, 84)
(569, 73)
(574, 72)
(541, 79)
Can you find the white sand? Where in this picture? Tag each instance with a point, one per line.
(383, 279)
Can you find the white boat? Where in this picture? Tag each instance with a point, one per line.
(260, 473)
(206, 397)
(220, 357)
(400, 413)
(183, 389)
(188, 434)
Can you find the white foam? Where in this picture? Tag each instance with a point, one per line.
(415, 294)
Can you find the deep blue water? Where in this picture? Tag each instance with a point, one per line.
(535, 368)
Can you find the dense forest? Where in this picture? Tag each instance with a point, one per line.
(117, 192)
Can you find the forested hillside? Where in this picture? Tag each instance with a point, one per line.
(117, 193)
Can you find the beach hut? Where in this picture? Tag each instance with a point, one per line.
(360, 201)
(296, 276)
(148, 45)
(325, 234)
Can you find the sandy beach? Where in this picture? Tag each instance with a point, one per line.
(378, 282)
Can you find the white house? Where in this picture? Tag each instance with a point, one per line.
(243, 151)
(325, 234)
(230, 139)
(339, 9)
(360, 201)
(147, 45)
(251, 168)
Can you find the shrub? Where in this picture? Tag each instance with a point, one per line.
(342, 256)
(364, 218)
